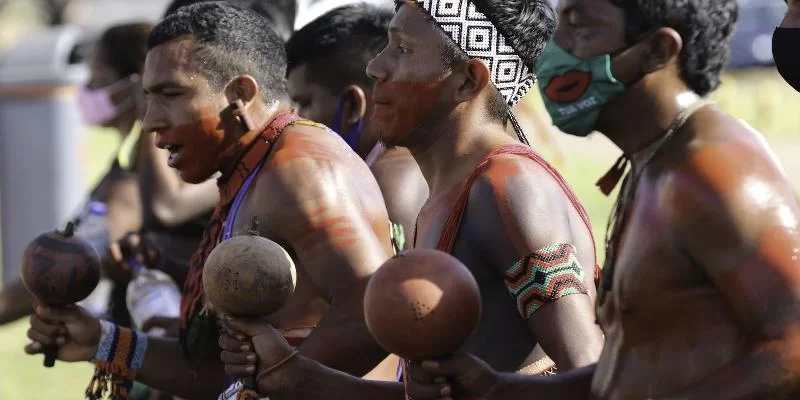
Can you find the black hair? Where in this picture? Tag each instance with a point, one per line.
(124, 48)
(337, 46)
(176, 4)
(527, 26)
(229, 41)
(705, 26)
(280, 13)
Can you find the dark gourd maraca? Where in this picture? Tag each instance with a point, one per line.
(60, 269)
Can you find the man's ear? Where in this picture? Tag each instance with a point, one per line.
(472, 78)
(663, 48)
(355, 104)
(244, 88)
(242, 91)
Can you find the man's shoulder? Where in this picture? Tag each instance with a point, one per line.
(308, 143)
(505, 174)
(516, 190)
(723, 171)
(397, 165)
(310, 161)
(394, 157)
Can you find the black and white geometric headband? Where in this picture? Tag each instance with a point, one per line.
(474, 33)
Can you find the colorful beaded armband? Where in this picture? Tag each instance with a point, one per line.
(119, 355)
(545, 276)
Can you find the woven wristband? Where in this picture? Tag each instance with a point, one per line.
(120, 354)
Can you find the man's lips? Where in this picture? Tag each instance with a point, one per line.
(568, 87)
(175, 151)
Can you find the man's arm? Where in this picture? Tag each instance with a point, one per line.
(171, 201)
(529, 226)
(741, 227)
(340, 240)
(403, 187)
(124, 207)
(293, 377)
(167, 369)
(77, 336)
(469, 378)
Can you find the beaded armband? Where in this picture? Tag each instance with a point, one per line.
(545, 276)
(119, 355)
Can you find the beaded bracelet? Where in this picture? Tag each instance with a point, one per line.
(120, 354)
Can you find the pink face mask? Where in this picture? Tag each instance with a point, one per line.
(96, 105)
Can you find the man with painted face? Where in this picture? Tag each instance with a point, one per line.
(216, 101)
(700, 294)
(494, 204)
(784, 45)
(326, 79)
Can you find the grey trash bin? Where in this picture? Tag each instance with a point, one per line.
(41, 171)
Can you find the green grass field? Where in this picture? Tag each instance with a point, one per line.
(23, 378)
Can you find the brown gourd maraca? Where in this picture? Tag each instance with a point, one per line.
(249, 276)
(422, 304)
(60, 269)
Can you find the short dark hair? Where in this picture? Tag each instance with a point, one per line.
(337, 46)
(230, 41)
(124, 48)
(280, 13)
(527, 26)
(705, 26)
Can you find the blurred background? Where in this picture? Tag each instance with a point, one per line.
(41, 65)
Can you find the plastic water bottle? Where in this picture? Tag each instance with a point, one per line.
(151, 293)
(93, 227)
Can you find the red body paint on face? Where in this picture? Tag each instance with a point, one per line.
(195, 148)
(402, 107)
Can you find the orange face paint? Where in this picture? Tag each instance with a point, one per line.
(195, 148)
(401, 108)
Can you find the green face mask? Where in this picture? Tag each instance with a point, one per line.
(574, 90)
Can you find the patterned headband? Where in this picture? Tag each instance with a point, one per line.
(474, 33)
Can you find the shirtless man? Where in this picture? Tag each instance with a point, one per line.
(216, 101)
(176, 212)
(494, 204)
(702, 284)
(326, 79)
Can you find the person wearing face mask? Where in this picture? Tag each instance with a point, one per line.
(784, 45)
(700, 293)
(110, 99)
(326, 80)
(445, 85)
(217, 102)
